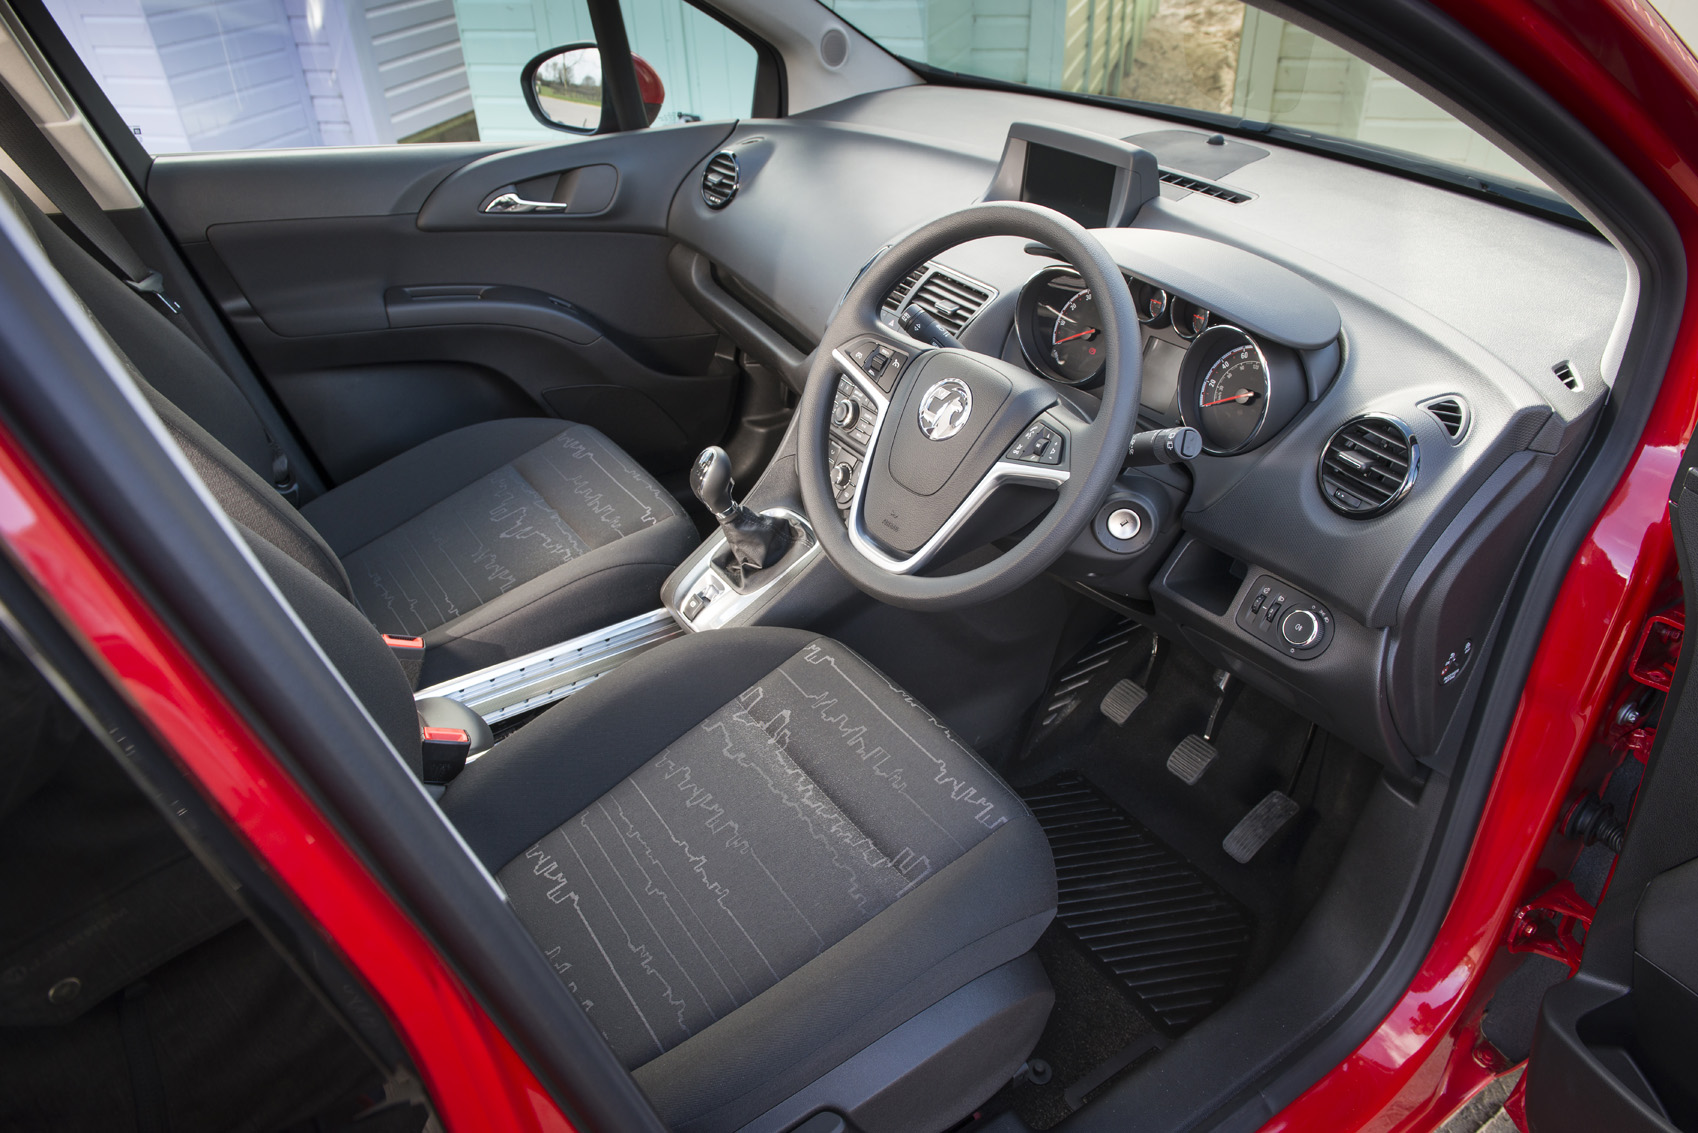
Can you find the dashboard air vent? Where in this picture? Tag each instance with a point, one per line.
(1207, 188)
(1566, 375)
(1451, 413)
(1368, 465)
(899, 294)
(951, 300)
(720, 181)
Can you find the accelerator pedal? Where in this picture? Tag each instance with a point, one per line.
(1257, 828)
(1191, 758)
(1123, 700)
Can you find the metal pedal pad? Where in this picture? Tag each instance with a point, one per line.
(1257, 828)
(1123, 700)
(1191, 758)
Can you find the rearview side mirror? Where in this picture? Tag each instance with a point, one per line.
(563, 87)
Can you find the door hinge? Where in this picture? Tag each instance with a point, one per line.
(1548, 925)
(1658, 649)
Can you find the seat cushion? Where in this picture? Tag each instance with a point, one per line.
(503, 537)
(749, 855)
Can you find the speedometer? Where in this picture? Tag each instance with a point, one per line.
(1238, 391)
(1233, 398)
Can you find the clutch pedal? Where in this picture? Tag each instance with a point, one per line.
(1123, 700)
(1257, 828)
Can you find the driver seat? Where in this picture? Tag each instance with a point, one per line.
(772, 880)
(775, 883)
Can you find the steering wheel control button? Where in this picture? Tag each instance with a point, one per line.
(842, 475)
(880, 361)
(1300, 628)
(1285, 619)
(843, 414)
(1039, 444)
(1124, 523)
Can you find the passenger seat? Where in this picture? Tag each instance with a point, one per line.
(489, 541)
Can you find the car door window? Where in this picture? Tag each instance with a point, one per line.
(198, 75)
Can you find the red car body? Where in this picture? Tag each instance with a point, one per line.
(1614, 65)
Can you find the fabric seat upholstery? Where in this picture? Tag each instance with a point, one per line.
(490, 541)
(503, 537)
(749, 856)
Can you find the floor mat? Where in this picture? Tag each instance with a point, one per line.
(1171, 936)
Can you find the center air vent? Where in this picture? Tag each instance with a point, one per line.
(1207, 188)
(1368, 465)
(899, 294)
(720, 181)
(952, 300)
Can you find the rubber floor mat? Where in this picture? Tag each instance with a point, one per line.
(1174, 939)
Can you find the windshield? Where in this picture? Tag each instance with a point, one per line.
(1218, 56)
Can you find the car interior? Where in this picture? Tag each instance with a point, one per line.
(934, 604)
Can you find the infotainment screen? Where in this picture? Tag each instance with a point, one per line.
(1076, 186)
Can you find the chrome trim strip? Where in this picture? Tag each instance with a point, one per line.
(729, 603)
(557, 671)
(1002, 472)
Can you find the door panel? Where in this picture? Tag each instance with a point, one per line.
(385, 307)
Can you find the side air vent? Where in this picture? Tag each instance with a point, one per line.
(1451, 413)
(951, 299)
(899, 294)
(720, 181)
(1566, 375)
(1368, 465)
(1207, 188)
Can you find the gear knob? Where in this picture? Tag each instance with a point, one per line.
(710, 479)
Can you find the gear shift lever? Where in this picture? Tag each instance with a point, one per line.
(756, 541)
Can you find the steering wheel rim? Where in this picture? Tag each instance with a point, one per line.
(1095, 449)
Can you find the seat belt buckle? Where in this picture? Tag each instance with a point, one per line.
(410, 651)
(445, 752)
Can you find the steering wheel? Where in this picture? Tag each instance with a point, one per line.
(950, 426)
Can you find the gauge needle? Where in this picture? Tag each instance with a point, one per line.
(1059, 316)
(1071, 337)
(1242, 397)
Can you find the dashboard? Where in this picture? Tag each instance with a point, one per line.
(1390, 378)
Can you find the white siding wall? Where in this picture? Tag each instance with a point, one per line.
(116, 45)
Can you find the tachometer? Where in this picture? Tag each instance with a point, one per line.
(1076, 340)
(1238, 391)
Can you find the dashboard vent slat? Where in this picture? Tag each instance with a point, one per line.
(1207, 188)
(950, 299)
(1368, 465)
(899, 294)
(721, 179)
(1452, 415)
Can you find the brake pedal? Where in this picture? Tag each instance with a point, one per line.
(1123, 700)
(1257, 828)
(1191, 758)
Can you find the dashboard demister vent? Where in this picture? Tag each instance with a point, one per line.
(1451, 413)
(721, 179)
(1368, 465)
(1566, 375)
(952, 300)
(899, 294)
(1207, 188)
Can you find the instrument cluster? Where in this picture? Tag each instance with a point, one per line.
(1235, 389)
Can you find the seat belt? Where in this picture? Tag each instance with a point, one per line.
(27, 144)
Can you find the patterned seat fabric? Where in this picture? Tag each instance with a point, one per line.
(749, 846)
(558, 502)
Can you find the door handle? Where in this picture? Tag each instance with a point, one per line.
(514, 203)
